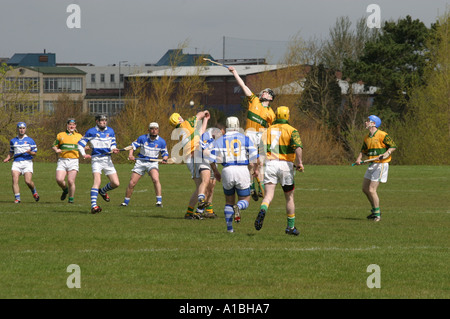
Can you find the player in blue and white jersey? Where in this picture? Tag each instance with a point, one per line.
(22, 149)
(204, 171)
(237, 154)
(151, 146)
(103, 142)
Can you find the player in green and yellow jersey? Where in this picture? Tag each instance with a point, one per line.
(377, 144)
(259, 117)
(66, 146)
(284, 150)
(190, 133)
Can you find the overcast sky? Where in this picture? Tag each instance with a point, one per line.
(141, 31)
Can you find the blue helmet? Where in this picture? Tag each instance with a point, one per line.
(376, 120)
(21, 124)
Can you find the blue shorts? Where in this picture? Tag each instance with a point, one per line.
(241, 192)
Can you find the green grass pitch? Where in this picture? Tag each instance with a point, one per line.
(142, 251)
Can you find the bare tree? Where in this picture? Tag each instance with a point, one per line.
(340, 44)
(321, 97)
(16, 102)
(344, 42)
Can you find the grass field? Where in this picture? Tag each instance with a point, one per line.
(142, 251)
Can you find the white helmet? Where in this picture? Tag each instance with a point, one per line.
(232, 123)
(153, 125)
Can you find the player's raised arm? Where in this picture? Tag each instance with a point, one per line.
(239, 80)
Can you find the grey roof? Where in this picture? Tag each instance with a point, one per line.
(208, 71)
(56, 70)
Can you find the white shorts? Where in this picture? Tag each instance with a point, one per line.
(67, 164)
(141, 167)
(377, 172)
(236, 176)
(23, 166)
(195, 167)
(279, 172)
(103, 164)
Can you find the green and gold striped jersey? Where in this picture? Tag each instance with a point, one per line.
(258, 116)
(68, 143)
(191, 135)
(280, 141)
(377, 144)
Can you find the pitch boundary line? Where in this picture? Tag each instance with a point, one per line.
(304, 249)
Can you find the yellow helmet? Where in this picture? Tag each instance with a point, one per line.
(282, 113)
(174, 119)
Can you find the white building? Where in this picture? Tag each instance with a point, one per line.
(104, 85)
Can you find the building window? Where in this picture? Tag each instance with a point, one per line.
(121, 78)
(110, 107)
(49, 107)
(112, 78)
(30, 107)
(93, 77)
(58, 85)
(102, 78)
(30, 85)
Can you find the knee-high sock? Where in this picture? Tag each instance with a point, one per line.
(94, 195)
(229, 212)
(291, 221)
(242, 204)
(105, 189)
(264, 206)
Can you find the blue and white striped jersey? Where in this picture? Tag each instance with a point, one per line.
(206, 140)
(101, 141)
(19, 146)
(234, 148)
(150, 149)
